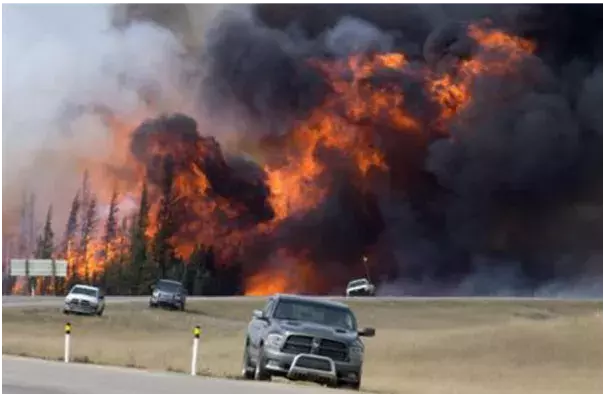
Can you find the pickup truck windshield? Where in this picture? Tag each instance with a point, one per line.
(308, 311)
(84, 290)
(169, 287)
(358, 282)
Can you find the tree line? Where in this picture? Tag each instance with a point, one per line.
(123, 259)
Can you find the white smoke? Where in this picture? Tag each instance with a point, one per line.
(59, 57)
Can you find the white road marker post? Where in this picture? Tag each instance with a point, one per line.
(67, 342)
(196, 341)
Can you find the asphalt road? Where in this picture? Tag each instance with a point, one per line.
(27, 301)
(24, 375)
(50, 301)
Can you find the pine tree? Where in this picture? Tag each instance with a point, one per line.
(89, 225)
(69, 240)
(45, 246)
(111, 226)
(72, 221)
(163, 251)
(141, 271)
(85, 197)
(111, 232)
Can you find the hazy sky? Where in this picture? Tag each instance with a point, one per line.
(56, 56)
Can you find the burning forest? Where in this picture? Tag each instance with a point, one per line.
(460, 157)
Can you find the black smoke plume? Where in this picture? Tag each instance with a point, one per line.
(173, 143)
(507, 200)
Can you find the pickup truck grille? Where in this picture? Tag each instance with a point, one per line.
(335, 350)
(83, 303)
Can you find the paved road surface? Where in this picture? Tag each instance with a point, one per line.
(24, 375)
(50, 301)
(27, 301)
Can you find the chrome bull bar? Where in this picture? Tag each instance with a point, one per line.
(296, 370)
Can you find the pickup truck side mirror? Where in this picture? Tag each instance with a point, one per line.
(101, 297)
(258, 314)
(367, 332)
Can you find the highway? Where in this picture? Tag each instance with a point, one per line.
(42, 301)
(24, 375)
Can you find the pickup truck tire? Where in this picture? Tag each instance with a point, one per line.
(260, 373)
(248, 370)
(100, 313)
(66, 312)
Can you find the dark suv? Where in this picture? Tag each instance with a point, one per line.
(168, 293)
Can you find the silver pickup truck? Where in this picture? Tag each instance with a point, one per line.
(305, 338)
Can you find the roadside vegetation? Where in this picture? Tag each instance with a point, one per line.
(421, 346)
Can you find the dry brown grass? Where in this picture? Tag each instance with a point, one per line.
(433, 346)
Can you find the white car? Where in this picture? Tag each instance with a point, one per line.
(84, 299)
(360, 287)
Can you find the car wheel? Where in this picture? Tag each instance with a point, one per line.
(100, 313)
(248, 371)
(260, 372)
(66, 312)
(182, 307)
(152, 305)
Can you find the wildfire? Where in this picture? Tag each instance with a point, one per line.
(345, 122)
(292, 274)
(499, 53)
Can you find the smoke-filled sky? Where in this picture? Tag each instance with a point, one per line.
(57, 59)
(458, 161)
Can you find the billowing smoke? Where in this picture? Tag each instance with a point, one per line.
(459, 148)
(506, 191)
(57, 60)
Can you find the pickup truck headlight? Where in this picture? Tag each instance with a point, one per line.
(356, 350)
(274, 341)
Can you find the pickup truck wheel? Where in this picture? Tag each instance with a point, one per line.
(260, 373)
(100, 312)
(66, 312)
(248, 371)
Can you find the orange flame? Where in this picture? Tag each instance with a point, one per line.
(292, 275)
(296, 184)
(499, 53)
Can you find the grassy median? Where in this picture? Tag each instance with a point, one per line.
(421, 346)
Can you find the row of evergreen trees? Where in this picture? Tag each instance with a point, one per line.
(127, 261)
